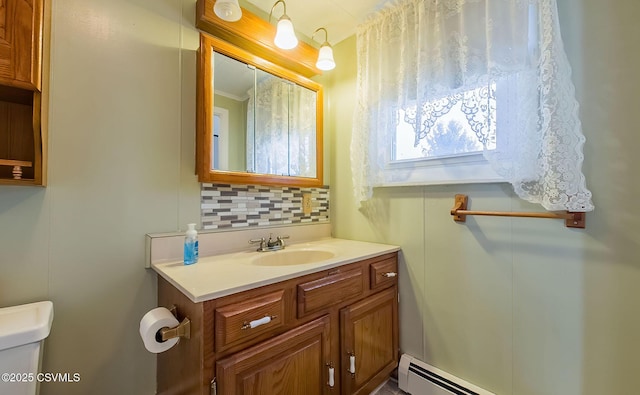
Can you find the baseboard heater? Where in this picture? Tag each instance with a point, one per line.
(418, 378)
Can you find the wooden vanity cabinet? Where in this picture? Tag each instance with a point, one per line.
(316, 322)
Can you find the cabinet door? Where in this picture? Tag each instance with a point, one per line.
(369, 342)
(295, 362)
(20, 43)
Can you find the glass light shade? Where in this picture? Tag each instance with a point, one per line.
(285, 35)
(227, 10)
(325, 58)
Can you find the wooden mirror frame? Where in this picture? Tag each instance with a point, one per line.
(238, 41)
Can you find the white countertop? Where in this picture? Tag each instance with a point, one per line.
(221, 275)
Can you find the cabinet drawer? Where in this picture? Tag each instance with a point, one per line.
(319, 294)
(384, 273)
(239, 322)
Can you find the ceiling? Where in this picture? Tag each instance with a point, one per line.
(340, 18)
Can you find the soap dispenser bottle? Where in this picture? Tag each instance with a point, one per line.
(191, 245)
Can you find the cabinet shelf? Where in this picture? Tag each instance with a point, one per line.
(16, 166)
(22, 141)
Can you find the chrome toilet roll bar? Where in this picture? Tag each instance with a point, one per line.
(182, 330)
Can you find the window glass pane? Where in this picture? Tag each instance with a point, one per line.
(460, 124)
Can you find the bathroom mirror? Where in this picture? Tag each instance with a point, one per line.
(258, 123)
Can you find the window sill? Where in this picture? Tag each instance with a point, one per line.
(462, 169)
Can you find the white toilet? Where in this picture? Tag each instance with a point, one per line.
(22, 332)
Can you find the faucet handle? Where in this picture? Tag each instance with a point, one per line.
(280, 239)
(262, 242)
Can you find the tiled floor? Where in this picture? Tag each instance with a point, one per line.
(390, 388)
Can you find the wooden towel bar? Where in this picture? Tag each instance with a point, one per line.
(460, 212)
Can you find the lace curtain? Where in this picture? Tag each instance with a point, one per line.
(280, 129)
(424, 56)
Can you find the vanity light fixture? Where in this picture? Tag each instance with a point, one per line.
(325, 55)
(285, 34)
(228, 10)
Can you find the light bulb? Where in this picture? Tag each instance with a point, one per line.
(228, 10)
(285, 35)
(325, 58)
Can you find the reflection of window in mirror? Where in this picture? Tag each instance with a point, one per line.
(220, 138)
(302, 131)
(282, 125)
(268, 124)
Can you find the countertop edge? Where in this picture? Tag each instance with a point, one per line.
(274, 280)
(203, 297)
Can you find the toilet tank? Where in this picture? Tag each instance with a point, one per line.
(22, 331)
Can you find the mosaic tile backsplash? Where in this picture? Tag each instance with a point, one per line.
(235, 206)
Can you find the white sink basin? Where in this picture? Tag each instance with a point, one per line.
(291, 257)
(24, 324)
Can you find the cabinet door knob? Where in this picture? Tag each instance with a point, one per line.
(389, 274)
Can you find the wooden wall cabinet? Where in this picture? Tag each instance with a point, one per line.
(22, 141)
(331, 332)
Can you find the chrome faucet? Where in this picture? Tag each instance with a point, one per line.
(271, 244)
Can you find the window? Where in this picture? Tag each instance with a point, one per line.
(443, 142)
(442, 85)
(459, 124)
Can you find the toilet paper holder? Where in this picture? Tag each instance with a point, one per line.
(182, 330)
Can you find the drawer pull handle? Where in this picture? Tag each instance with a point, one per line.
(352, 364)
(332, 380)
(256, 323)
(389, 274)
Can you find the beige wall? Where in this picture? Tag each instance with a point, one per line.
(122, 122)
(517, 306)
(522, 306)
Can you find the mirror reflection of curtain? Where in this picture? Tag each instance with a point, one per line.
(281, 120)
(302, 131)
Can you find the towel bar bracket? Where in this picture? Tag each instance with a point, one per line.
(578, 220)
(460, 204)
